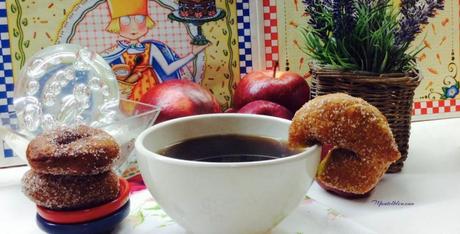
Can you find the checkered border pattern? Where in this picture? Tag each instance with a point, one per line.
(244, 36)
(436, 107)
(271, 33)
(6, 79)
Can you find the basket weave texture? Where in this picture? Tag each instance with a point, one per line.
(392, 94)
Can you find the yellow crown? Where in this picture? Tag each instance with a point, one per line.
(119, 8)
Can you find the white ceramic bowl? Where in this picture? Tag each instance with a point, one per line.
(203, 197)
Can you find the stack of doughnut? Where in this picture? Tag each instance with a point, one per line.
(363, 144)
(71, 169)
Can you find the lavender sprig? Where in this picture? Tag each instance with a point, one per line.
(368, 35)
(409, 25)
(343, 12)
(413, 15)
(434, 5)
(373, 3)
(316, 9)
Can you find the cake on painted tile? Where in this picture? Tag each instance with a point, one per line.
(197, 9)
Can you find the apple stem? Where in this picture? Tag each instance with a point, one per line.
(275, 68)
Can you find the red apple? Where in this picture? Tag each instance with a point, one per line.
(180, 98)
(288, 89)
(262, 107)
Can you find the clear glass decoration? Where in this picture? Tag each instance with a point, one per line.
(65, 84)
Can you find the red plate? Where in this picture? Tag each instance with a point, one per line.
(81, 216)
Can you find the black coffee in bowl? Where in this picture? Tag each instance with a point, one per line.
(229, 148)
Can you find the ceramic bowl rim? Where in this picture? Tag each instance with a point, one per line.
(139, 146)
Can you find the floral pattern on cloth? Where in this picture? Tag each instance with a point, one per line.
(146, 216)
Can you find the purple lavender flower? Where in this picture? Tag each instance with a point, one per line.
(343, 12)
(414, 14)
(433, 5)
(373, 3)
(316, 9)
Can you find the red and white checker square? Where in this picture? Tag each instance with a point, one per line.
(436, 107)
(270, 33)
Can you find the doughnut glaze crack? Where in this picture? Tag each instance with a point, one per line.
(66, 192)
(72, 151)
(351, 124)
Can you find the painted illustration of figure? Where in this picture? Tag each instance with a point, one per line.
(140, 64)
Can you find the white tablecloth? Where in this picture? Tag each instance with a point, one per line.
(424, 198)
(429, 182)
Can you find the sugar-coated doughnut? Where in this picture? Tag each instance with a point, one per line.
(354, 125)
(65, 192)
(73, 151)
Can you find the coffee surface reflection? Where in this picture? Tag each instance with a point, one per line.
(229, 148)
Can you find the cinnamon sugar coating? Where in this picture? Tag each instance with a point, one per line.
(73, 151)
(66, 192)
(346, 123)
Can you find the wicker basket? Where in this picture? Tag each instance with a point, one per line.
(392, 94)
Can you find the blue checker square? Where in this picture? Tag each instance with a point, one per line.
(3, 108)
(6, 81)
(9, 73)
(244, 35)
(7, 59)
(5, 44)
(8, 152)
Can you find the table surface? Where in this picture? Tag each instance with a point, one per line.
(423, 198)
